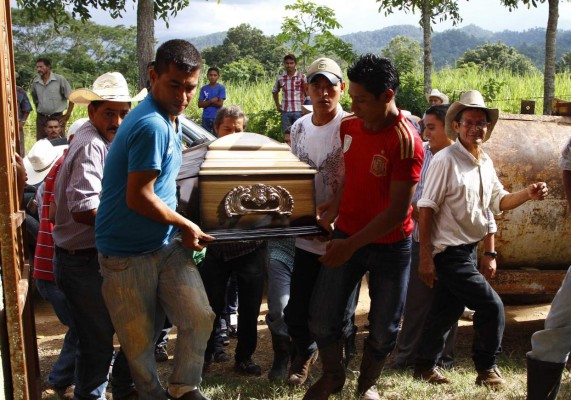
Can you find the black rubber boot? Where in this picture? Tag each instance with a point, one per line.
(370, 371)
(543, 379)
(333, 377)
(282, 351)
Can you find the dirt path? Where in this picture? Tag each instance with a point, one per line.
(521, 322)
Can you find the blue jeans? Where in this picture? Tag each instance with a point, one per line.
(208, 124)
(137, 289)
(460, 284)
(288, 118)
(79, 279)
(63, 371)
(388, 266)
(249, 271)
(231, 306)
(279, 280)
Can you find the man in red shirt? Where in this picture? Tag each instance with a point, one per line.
(383, 155)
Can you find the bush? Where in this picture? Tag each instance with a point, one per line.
(266, 122)
(246, 69)
(410, 95)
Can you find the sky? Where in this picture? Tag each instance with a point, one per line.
(203, 17)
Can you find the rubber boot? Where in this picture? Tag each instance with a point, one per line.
(299, 368)
(370, 371)
(282, 350)
(333, 377)
(543, 379)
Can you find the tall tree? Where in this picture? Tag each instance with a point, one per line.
(430, 10)
(309, 32)
(550, 47)
(405, 53)
(147, 12)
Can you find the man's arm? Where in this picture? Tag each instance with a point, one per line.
(276, 97)
(535, 191)
(488, 263)
(340, 250)
(67, 113)
(141, 197)
(426, 268)
(85, 217)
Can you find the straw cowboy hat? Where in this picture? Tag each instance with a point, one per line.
(470, 99)
(111, 86)
(440, 95)
(40, 159)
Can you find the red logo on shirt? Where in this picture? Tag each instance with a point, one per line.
(379, 165)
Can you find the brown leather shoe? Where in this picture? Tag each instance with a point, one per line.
(371, 394)
(431, 376)
(490, 378)
(299, 369)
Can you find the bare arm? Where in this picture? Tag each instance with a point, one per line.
(426, 268)
(276, 97)
(535, 191)
(487, 263)
(141, 198)
(85, 217)
(67, 114)
(340, 250)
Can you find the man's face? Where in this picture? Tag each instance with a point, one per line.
(434, 133)
(434, 101)
(213, 77)
(324, 95)
(42, 69)
(289, 66)
(472, 128)
(230, 125)
(107, 118)
(174, 89)
(364, 104)
(52, 129)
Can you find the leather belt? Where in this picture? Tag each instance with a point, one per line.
(58, 114)
(92, 251)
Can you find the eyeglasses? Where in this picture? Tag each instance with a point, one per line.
(478, 125)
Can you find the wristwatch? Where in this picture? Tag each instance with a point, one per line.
(492, 254)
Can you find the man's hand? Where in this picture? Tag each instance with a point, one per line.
(63, 120)
(192, 235)
(279, 107)
(325, 217)
(427, 271)
(488, 267)
(537, 191)
(338, 252)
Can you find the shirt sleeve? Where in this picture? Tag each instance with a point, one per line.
(147, 146)
(202, 94)
(435, 187)
(66, 88)
(222, 92)
(492, 227)
(277, 86)
(86, 174)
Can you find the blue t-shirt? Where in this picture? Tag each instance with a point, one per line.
(146, 140)
(207, 92)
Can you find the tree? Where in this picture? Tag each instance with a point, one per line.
(429, 11)
(497, 56)
(405, 53)
(147, 12)
(309, 33)
(550, 47)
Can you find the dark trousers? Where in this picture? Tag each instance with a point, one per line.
(249, 270)
(460, 284)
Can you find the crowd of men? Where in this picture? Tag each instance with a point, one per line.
(116, 258)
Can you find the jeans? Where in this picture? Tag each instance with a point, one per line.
(249, 270)
(137, 289)
(460, 284)
(388, 266)
(288, 118)
(279, 280)
(231, 306)
(418, 302)
(208, 124)
(79, 279)
(63, 371)
(553, 343)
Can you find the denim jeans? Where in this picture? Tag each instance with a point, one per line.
(208, 124)
(460, 284)
(288, 118)
(249, 270)
(231, 306)
(388, 266)
(79, 279)
(137, 289)
(279, 280)
(63, 371)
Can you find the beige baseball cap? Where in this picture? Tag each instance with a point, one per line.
(326, 67)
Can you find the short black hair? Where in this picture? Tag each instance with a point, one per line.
(376, 73)
(439, 111)
(150, 64)
(215, 69)
(51, 118)
(290, 56)
(181, 53)
(44, 60)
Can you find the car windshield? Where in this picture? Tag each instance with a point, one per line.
(194, 134)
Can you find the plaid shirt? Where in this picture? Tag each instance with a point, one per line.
(293, 93)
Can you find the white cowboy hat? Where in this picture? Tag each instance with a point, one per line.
(111, 86)
(470, 99)
(40, 159)
(74, 127)
(440, 95)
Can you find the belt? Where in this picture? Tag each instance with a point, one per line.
(92, 251)
(57, 114)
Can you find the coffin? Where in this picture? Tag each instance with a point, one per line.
(252, 187)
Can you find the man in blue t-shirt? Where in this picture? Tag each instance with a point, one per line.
(145, 246)
(211, 98)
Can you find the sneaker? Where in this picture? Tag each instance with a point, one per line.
(192, 395)
(64, 392)
(225, 339)
(468, 314)
(233, 326)
(221, 356)
(490, 378)
(432, 375)
(161, 354)
(248, 367)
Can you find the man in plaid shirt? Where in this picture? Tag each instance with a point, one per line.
(292, 85)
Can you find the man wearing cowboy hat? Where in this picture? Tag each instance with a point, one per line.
(77, 191)
(461, 184)
(435, 97)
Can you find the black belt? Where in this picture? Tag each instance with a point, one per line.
(92, 251)
(58, 114)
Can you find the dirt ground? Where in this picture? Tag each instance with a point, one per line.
(521, 322)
